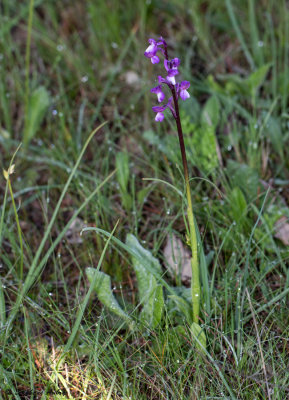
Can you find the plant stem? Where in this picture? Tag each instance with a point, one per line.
(27, 68)
(20, 269)
(195, 285)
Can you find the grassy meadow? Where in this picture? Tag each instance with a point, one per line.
(90, 180)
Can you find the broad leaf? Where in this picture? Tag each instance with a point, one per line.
(211, 112)
(255, 80)
(122, 172)
(147, 269)
(183, 306)
(273, 131)
(244, 177)
(202, 145)
(238, 204)
(104, 292)
(198, 333)
(38, 104)
(152, 310)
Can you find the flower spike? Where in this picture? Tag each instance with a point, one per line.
(178, 90)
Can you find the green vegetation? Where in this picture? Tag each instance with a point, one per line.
(94, 301)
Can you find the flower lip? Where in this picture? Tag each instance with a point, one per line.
(159, 117)
(159, 92)
(155, 60)
(182, 90)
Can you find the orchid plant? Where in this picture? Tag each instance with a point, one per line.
(177, 90)
(154, 292)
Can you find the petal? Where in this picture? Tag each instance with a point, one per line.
(159, 109)
(173, 72)
(175, 62)
(159, 117)
(152, 41)
(184, 85)
(184, 94)
(156, 89)
(171, 79)
(161, 79)
(161, 96)
(151, 48)
(155, 59)
(167, 65)
(162, 41)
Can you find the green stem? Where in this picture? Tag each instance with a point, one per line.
(27, 70)
(195, 285)
(20, 269)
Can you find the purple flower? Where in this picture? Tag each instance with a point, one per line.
(160, 109)
(172, 69)
(152, 50)
(182, 90)
(159, 92)
(178, 90)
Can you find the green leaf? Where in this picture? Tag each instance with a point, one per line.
(38, 104)
(183, 306)
(152, 311)
(238, 204)
(147, 269)
(201, 142)
(192, 109)
(166, 145)
(244, 177)
(273, 131)
(149, 262)
(211, 112)
(104, 292)
(122, 172)
(198, 333)
(255, 80)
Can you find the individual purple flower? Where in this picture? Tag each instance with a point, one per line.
(172, 69)
(159, 92)
(160, 109)
(152, 50)
(182, 90)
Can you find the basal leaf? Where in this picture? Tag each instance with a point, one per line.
(38, 104)
(183, 306)
(104, 292)
(244, 177)
(255, 80)
(198, 333)
(122, 172)
(211, 112)
(152, 310)
(147, 269)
